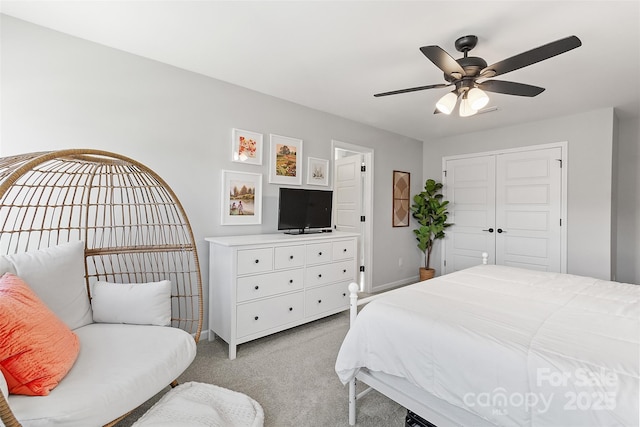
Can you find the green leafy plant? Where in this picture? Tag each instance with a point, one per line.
(430, 211)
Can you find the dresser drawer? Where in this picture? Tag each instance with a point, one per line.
(269, 313)
(289, 257)
(328, 273)
(326, 298)
(264, 285)
(255, 260)
(318, 253)
(344, 250)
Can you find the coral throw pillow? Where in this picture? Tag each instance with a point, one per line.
(36, 348)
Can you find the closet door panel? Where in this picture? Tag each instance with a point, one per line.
(528, 209)
(471, 194)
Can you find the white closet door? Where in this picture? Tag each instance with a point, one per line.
(508, 205)
(470, 189)
(528, 209)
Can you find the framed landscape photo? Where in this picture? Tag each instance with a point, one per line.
(401, 198)
(241, 198)
(285, 165)
(317, 171)
(246, 147)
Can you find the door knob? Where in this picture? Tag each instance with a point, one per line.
(490, 230)
(500, 230)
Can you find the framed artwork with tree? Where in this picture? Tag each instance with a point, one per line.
(285, 166)
(241, 198)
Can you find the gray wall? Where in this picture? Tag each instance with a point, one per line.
(593, 209)
(628, 202)
(63, 92)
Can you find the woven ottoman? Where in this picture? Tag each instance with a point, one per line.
(199, 404)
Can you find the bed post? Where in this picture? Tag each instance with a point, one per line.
(485, 258)
(353, 313)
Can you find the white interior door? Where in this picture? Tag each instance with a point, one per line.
(508, 205)
(470, 189)
(347, 194)
(529, 200)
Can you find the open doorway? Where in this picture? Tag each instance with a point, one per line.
(353, 184)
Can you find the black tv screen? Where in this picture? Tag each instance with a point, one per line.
(300, 210)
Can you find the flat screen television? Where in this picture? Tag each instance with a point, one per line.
(304, 211)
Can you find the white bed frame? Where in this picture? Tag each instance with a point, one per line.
(423, 403)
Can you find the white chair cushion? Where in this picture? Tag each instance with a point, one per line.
(56, 275)
(132, 303)
(119, 368)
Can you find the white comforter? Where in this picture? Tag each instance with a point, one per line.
(513, 346)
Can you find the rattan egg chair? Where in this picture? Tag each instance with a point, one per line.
(134, 228)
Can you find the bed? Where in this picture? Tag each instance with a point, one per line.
(500, 346)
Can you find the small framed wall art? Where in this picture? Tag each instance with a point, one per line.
(285, 165)
(241, 198)
(401, 198)
(246, 147)
(317, 171)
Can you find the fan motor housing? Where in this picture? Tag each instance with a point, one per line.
(472, 66)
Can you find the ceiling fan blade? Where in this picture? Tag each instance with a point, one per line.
(510, 88)
(443, 60)
(412, 89)
(532, 56)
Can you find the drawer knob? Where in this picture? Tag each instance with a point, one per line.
(344, 250)
(290, 280)
(290, 256)
(257, 287)
(319, 276)
(255, 318)
(290, 308)
(257, 261)
(319, 253)
(319, 301)
(344, 294)
(344, 271)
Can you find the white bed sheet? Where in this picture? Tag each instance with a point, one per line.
(515, 347)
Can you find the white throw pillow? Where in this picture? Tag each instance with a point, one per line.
(56, 275)
(132, 303)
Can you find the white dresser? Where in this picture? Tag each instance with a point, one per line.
(265, 283)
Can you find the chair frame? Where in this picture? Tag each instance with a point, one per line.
(134, 227)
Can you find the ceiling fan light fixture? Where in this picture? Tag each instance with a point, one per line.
(465, 108)
(477, 98)
(447, 103)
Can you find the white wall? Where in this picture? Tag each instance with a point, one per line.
(63, 92)
(590, 149)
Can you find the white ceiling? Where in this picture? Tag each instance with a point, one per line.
(334, 55)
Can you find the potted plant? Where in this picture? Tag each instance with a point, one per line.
(430, 211)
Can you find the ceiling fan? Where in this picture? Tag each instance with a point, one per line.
(470, 74)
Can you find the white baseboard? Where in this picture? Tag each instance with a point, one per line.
(396, 284)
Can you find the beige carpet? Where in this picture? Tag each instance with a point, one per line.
(291, 374)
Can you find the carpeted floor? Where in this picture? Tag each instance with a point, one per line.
(291, 374)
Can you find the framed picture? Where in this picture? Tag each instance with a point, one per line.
(285, 166)
(246, 147)
(241, 198)
(317, 171)
(401, 198)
